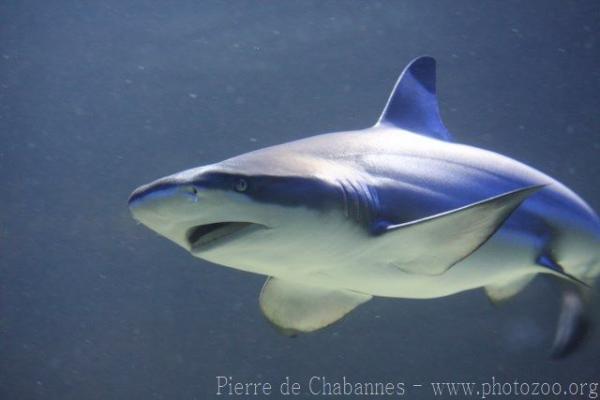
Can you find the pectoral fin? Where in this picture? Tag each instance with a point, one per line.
(432, 245)
(295, 307)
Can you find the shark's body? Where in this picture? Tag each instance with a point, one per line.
(396, 210)
(400, 177)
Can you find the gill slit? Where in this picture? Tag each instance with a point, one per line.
(360, 200)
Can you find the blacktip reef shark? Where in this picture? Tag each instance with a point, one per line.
(395, 210)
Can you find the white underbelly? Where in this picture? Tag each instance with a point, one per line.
(336, 256)
(501, 258)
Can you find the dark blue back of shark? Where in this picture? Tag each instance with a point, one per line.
(291, 191)
(413, 106)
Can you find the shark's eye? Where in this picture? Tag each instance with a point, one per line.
(241, 185)
(194, 190)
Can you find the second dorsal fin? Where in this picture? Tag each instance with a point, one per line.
(413, 104)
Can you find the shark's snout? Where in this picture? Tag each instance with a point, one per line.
(154, 190)
(160, 203)
(191, 214)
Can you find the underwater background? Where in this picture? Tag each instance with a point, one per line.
(99, 97)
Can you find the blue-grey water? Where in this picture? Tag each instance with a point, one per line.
(99, 97)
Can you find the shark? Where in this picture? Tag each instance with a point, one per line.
(397, 210)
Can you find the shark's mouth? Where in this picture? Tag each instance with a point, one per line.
(201, 237)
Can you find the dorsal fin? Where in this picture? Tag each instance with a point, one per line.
(413, 104)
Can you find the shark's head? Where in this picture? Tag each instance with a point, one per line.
(246, 212)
